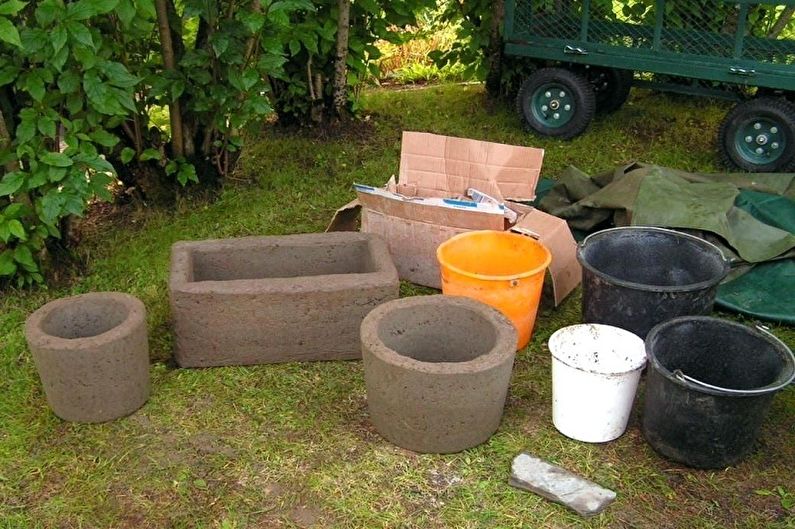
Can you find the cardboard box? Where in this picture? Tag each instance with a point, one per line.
(443, 166)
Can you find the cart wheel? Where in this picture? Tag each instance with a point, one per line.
(556, 102)
(611, 85)
(759, 135)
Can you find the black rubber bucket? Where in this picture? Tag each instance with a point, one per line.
(637, 277)
(709, 386)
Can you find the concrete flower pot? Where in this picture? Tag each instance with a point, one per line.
(437, 370)
(92, 355)
(259, 300)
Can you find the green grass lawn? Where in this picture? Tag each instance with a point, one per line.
(291, 445)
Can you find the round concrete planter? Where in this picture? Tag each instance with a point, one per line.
(437, 370)
(92, 355)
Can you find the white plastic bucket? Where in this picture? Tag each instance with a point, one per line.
(595, 373)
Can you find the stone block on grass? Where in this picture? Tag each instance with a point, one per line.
(554, 483)
(437, 370)
(258, 300)
(92, 355)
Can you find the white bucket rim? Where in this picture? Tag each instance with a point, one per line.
(636, 347)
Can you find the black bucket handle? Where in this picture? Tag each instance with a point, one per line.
(744, 392)
(766, 330)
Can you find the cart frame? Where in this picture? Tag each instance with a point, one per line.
(586, 52)
(735, 67)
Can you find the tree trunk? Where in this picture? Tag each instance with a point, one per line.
(5, 142)
(169, 63)
(782, 22)
(340, 83)
(251, 44)
(494, 75)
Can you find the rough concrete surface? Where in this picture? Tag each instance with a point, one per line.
(559, 485)
(92, 354)
(437, 370)
(258, 300)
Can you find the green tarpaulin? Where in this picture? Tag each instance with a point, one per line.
(751, 216)
(766, 292)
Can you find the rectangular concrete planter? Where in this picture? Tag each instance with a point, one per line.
(259, 300)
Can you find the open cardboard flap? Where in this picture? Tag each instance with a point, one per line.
(554, 233)
(445, 167)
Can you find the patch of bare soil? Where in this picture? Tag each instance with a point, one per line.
(305, 516)
(349, 129)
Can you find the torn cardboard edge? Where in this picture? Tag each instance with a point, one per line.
(433, 166)
(457, 203)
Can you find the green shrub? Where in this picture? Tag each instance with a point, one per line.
(153, 93)
(409, 59)
(303, 94)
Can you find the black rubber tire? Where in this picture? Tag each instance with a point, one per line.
(611, 85)
(776, 108)
(581, 90)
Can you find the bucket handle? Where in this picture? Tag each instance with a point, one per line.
(761, 328)
(766, 330)
(685, 378)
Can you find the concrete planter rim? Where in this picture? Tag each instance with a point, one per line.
(293, 285)
(506, 333)
(35, 333)
(288, 284)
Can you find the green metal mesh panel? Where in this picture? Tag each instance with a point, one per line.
(768, 38)
(623, 24)
(703, 28)
(562, 19)
(700, 27)
(709, 28)
(555, 19)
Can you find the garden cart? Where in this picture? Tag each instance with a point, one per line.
(588, 53)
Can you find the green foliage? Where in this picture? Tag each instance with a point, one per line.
(310, 44)
(88, 102)
(786, 498)
(223, 71)
(473, 20)
(78, 82)
(62, 93)
(408, 60)
(418, 72)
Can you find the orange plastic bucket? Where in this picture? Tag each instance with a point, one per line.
(502, 269)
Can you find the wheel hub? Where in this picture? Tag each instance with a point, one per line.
(760, 140)
(552, 104)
